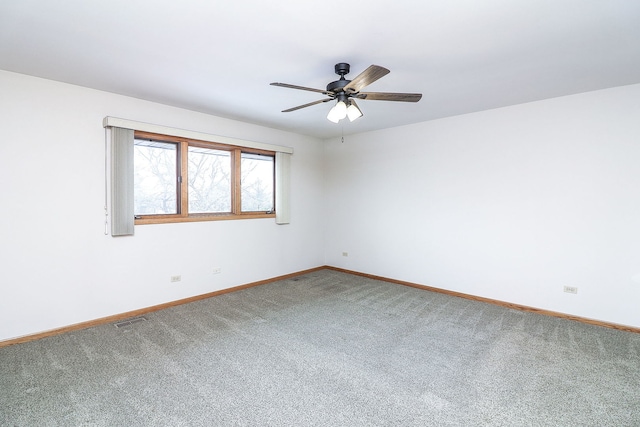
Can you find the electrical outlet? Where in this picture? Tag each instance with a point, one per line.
(345, 253)
(176, 278)
(217, 270)
(571, 289)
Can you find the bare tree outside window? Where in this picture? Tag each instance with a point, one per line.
(179, 179)
(209, 180)
(155, 184)
(256, 182)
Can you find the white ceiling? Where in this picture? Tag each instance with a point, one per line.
(219, 57)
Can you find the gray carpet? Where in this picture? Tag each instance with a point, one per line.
(327, 349)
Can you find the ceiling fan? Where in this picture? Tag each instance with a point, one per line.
(346, 92)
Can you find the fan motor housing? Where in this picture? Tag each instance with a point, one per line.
(337, 85)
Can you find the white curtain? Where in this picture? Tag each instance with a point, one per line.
(283, 179)
(122, 211)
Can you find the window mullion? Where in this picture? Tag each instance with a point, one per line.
(236, 203)
(183, 179)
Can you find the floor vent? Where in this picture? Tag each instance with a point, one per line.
(129, 322)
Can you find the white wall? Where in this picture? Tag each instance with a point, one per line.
(58, 267)
(510, 204)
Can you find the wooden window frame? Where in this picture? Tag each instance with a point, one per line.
(182, 177)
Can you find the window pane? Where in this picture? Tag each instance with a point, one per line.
(209, 180)
(256, 182)
(155, 177)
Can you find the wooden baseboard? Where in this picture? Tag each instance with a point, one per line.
(146, 310)
(143, 311)
(493, 301)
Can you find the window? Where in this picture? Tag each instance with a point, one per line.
(178, 179)
(209, 180)
(155, 186)
(256, 182)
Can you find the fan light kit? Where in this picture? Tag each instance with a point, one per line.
(344, 108)
(345, 91)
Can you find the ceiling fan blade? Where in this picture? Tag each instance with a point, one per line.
(307, 105)
(389, 96)
(301, 88)
(365, 78)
